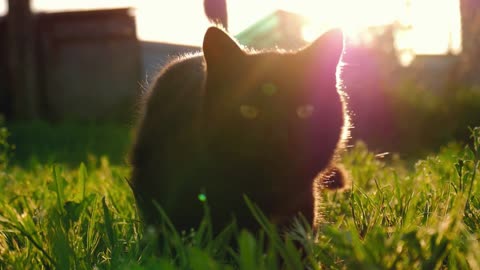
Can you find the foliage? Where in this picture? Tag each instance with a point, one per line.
(6, 148)
(394, 217)
(69, 143)
(424, 120)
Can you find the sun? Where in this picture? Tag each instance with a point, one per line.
(434, 25)
(352, 16)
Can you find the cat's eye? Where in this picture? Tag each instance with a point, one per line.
(305, 111)
(249, 112)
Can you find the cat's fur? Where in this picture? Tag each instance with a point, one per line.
(229, 123)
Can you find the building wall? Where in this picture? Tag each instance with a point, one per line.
(89, 65)
(91, 80)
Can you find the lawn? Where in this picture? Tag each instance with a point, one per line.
(65, 204)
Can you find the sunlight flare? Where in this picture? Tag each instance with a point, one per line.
(351, 16)
(434, 25)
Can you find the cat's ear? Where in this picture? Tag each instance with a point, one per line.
(219, 47)
(327, 48)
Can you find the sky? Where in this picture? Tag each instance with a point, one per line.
(435, 23)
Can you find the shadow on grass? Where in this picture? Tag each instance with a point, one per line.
(68, 143)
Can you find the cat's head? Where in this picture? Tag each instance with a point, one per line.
(266, 105)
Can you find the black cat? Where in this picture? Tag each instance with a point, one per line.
(230, 122)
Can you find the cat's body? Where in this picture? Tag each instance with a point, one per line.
(228, 123)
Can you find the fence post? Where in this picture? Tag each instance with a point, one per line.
(21, 60)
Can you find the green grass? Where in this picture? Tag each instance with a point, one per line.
(69, 143)
(61, 215)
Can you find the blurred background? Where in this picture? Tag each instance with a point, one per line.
(71, 71)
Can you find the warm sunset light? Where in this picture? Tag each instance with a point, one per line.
(435, 24)
(239, 134)
(430, 33)
(351, 16)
